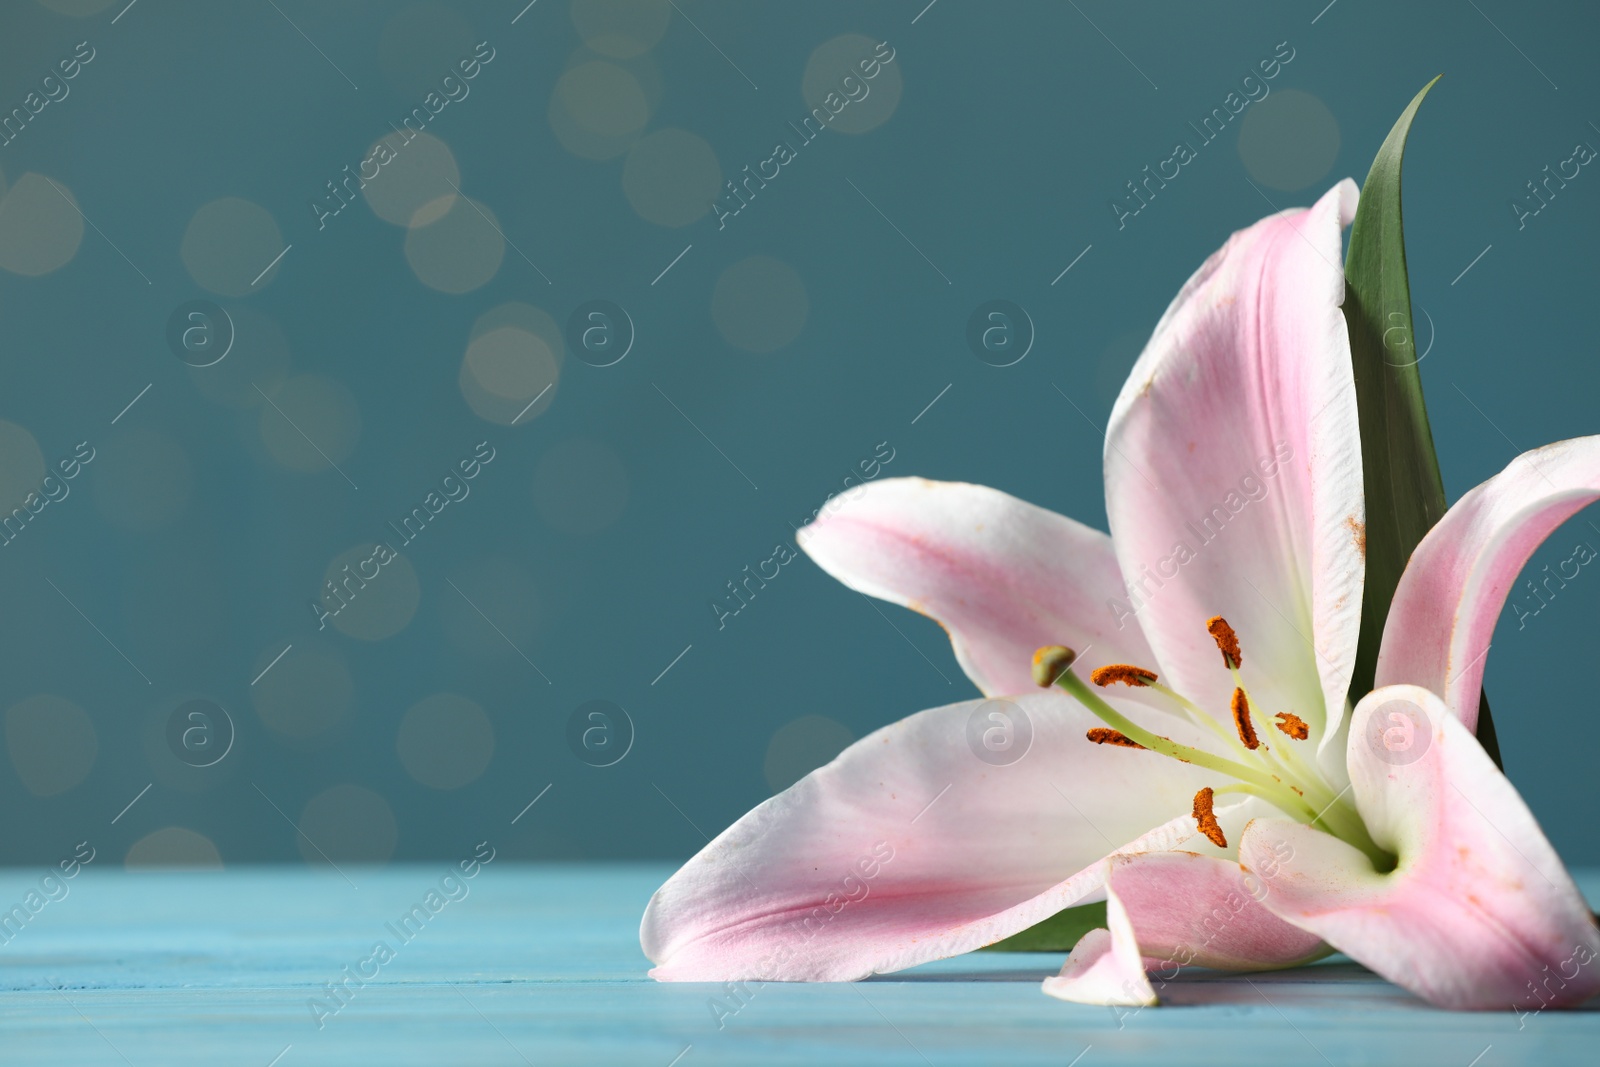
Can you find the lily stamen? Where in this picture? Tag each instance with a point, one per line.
(1293, 725)
(1206, 819)
(1227, 641)
(1126, 673)
(1134, 676)
(1241, 720)
(1104, 735)
(1199, 716)
(1052, 656)
(1293, 788)
(1300, 776)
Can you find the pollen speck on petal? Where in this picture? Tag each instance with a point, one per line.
(1206, 820)
(1358, 531)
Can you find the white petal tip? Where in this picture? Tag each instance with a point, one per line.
(1102, 973)
(1349, 198)
(1074, 992)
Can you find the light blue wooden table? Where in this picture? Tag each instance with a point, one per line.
(541, 965)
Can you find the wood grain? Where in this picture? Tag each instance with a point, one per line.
(541, 965)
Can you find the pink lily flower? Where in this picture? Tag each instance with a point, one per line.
(1285, 824)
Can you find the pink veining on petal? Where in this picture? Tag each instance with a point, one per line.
(1233, 471)
(1169, 911)
(911, 847)
(1001, 575)
(1105, 967)
(1479, 914)
(1450, 597)
(1201, 911)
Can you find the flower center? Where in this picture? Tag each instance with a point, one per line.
(1276, 773)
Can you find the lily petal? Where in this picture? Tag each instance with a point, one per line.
(1233, 471)
(1171, 910)
(1168, 911)
(910, 847)
(1453, 588)
(1201, 911)
(1479, 913)
(1105, 967)
(1001, 575)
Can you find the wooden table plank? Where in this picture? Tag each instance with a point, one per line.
(541, 964)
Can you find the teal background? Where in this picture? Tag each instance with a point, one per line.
(593, 545)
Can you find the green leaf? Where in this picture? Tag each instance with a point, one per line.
(1056, 934)
(1405, 493)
